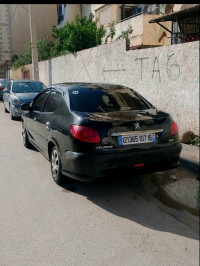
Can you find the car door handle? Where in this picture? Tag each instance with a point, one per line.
(48, 125)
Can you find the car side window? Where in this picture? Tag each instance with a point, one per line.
(39, 101)
(53, 101)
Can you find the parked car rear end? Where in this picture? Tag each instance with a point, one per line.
(3, 83)
(123, 129)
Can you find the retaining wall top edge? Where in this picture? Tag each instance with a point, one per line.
(195, 44)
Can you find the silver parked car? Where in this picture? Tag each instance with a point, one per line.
(18, 92)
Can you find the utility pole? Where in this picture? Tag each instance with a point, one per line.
(33, 46)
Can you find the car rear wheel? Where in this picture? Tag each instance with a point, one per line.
(26, 141)
(56, 166)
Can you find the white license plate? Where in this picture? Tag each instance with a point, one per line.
(136, 139)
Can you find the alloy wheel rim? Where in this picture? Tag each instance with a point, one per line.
(55, 163)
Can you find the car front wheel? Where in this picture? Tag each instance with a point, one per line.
(26, 141)
(56, 167)
(11, 115)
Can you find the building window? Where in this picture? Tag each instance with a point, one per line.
(186, 30)
(60, 12)
(129, 11)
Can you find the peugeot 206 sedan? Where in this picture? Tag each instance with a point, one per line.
(18, 92)
(88, 130)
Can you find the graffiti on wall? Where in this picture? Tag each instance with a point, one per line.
(172, 68)
(25, 73)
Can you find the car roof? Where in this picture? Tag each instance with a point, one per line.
(73, 85)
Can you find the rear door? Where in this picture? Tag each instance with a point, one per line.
(44, 121)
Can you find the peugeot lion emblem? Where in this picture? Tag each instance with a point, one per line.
(136, 125)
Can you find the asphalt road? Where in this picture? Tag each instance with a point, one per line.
(111, 223)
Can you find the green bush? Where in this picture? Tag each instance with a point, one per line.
(76, 36)
(111, 33)
(125, 34)
(44, 49)
(23, 58)
(195, 141)
(44, 53)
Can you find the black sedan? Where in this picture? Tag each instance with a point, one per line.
(18, 92)
(88, 130)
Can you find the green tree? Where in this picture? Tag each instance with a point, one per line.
(76, 36)
(44, 53)
(23, 58)
(44, 49)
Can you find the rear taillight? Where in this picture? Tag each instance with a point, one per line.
(1, 88)
(174, 129)
(138, 165)
(86, 134)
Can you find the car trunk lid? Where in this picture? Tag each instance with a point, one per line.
(150, 126)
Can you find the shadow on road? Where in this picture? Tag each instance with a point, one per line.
(122, 196)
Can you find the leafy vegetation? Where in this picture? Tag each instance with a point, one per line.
(23, 58)
(125, 34)
(76, 36)
(44, 49)
(195, 141)
(44, 52)
(112, 32)
(190, 138)
(73, 37)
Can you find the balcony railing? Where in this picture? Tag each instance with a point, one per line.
(132, 11)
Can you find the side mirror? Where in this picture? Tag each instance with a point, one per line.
(26, 107)
(6, 91)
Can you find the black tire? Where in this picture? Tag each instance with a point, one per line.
(26, 141)
(56, 166)
(11, 115)
(5, 110)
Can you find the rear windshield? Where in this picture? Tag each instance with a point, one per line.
(24, 87)
(92, 100)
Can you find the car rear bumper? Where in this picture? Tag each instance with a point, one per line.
(90, 166)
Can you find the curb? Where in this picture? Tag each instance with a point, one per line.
(190, 164)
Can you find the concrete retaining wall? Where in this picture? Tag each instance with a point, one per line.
(167, 76)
